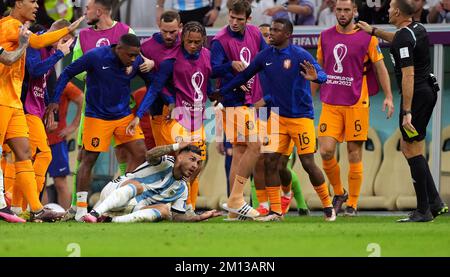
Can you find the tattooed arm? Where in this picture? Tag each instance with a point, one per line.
(154, 155)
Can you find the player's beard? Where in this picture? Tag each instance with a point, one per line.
(93, 22)
(346, 23)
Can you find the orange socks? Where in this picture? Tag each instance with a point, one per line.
(355, 177)
(333, 171)
(26, 182)
(193, 192)
(274, 199)
(324, 195)
(40, 166)
(261, 195)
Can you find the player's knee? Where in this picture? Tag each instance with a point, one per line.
(308, 162)
(326, 153)
(271, 162)
(138, 186)
(163, 210)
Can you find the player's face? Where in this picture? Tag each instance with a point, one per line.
(92, 13)
(393, 12)
(28, 9)
(193, 42)
(127, 54)
(169, 32)
(189, 163)
(237, 21)
(278, 34)
(265, 32)
(345, 11)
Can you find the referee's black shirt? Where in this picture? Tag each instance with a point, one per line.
(411, 48)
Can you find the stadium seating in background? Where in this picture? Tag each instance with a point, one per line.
(444, 189)
(393, 185)
(372, 155)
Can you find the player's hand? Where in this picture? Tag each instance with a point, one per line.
(212, 16)
(273, 10)
(245, 89)
(389, 104)
(260, 103)
(24, 34)
(310, 71)
(407, 119)
(209, 214)
(49, 116)
(131, 128)
(147, 65)
(170, 114)
(75, 24)
(67, 131)
(238, 66)
(64, 46)
(364, 26)
(129, 70)
(183, 144)
(220, 148)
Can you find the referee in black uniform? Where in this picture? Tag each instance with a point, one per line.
(418, 87)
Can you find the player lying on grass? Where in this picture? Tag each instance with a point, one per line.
(156, 190)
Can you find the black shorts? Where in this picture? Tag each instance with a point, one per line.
(423, 102)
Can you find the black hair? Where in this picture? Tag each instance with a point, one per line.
(193, 26)
(286, 23)
(10, 3)
(169, 16)
(241, 6)
(406, 7)
(192, 148)
(130, 40)
(264, 25)
(107, 4)
(37, 28)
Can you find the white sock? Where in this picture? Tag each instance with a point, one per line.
(16, 210)
(146, 215)
(118, 198)
(81, 199)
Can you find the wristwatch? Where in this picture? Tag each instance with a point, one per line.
(405, 112)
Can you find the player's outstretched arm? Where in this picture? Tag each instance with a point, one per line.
(383, 77)
(179, 217)
(374, 31)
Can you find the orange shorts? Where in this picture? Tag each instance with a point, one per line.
(12, 124)
(179, 133)
(264, 137)
(340, 122)
(38, 136)
(98, 133)
(284, 130)
(161, 127)
(239, 124)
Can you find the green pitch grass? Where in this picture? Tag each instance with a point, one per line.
(295, 236)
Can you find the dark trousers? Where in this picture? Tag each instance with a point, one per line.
(195, 15)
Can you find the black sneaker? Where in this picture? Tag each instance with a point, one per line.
(350, 211)
(438, 209)
(416, 216)
(303, 212)
(338, 201)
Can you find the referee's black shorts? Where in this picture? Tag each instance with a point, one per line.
(423, 102)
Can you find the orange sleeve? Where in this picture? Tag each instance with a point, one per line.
(374, 51)
(48, 38)
(72, 91)
(319, 52)
(10, 34)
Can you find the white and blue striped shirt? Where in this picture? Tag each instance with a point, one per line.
(189, 5)
(160, 187)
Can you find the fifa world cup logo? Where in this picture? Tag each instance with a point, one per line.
(245, 56)
(197, 80)
(339, 52)
(102, 42)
